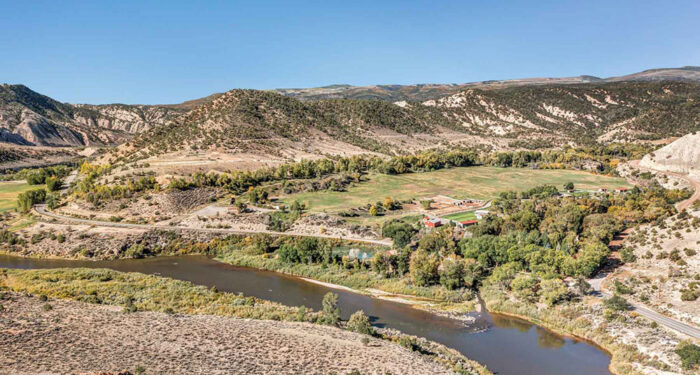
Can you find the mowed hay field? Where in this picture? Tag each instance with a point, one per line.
(461, 216)
(9, 192)
(468, 182)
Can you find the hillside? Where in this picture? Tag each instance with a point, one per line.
(267, 123)
(341, 119)
(679, 156)
(263, 122)
(600, 112)
(29, 118)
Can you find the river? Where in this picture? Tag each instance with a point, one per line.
(509, 346)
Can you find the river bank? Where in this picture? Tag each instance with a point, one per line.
(507, 346)
(434, 299)
(637, 346)
(108, 305)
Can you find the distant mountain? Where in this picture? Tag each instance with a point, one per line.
(29, 118)
(684, 74)
(422, 92)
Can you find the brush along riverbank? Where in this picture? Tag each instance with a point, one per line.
(436, 299)
(637, 345)
(91, 315)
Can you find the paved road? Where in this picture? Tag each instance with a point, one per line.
(41, 210)
(686, 329)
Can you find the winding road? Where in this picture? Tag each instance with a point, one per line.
(661, 319)
(41, 210)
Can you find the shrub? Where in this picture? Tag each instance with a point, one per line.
(553, 291)
(627, 255)
(617, 303)
(331, 311)
(136, 251)
(689, 353)
(359, 322)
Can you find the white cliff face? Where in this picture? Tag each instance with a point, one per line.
(681, 156)
(29, 118)
(129, 119)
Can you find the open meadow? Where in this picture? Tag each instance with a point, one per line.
(9, 192)
(468, 182)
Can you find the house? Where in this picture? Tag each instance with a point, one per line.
(466, 223)
(621, 190)
(481, 213)
(432, 223)
(603, 190)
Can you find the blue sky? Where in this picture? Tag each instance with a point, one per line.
(170, 51)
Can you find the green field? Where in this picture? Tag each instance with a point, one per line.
(9, 192)
(468, 182)
(461, 216)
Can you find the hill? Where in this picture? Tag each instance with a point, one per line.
(250, 121)
(679, 156)
(592, 113)
(29, 118)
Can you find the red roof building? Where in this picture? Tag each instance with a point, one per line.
(466, 223)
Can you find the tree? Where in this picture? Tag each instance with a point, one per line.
(398, 231)
(553, 291)
(569, 186)
(583, 286)
(331, 311)
(373, 210)
(388, 204)
(525, 287)
(426, 204)
(53, 183)
(424, 268)
(452, 273)
(359, 322)
(52, 200)
(26, 200)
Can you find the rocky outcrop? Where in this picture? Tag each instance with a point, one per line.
(29, 118)
(680, 156)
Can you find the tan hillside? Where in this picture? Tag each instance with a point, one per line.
(680, 156)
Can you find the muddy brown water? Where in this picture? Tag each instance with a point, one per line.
(506, 345)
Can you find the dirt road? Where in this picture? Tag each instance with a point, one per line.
(41, 210)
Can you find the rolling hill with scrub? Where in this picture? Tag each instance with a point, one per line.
(268, 123)
(345, 120)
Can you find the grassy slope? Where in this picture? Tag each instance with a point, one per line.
(469, 182)
(9, 192)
